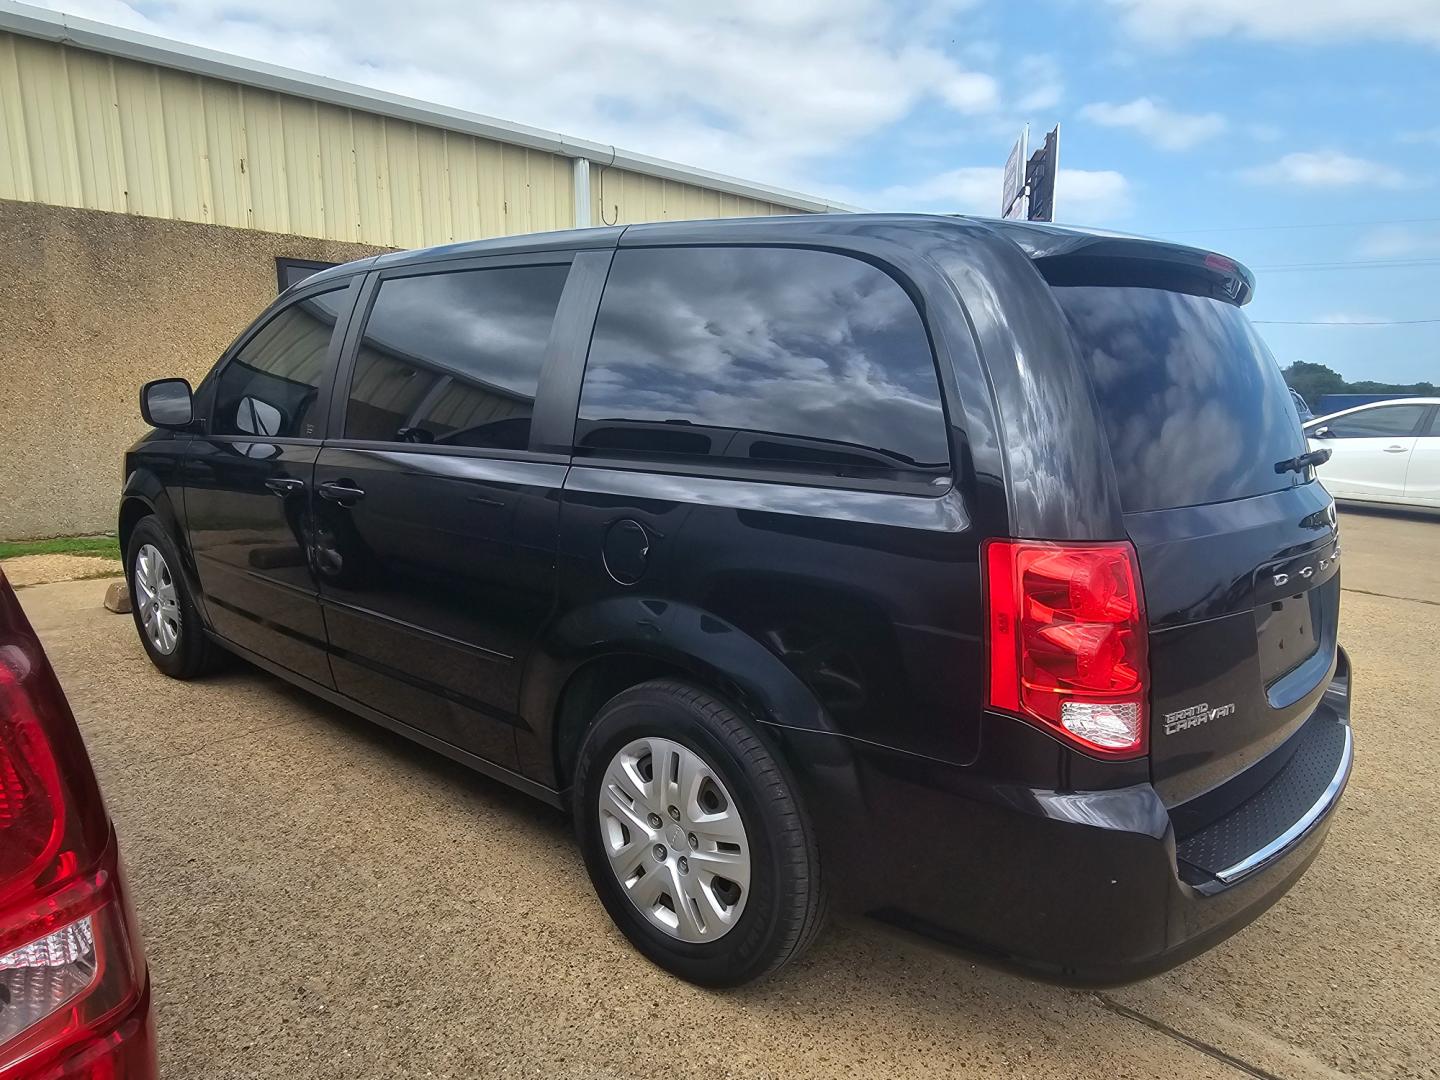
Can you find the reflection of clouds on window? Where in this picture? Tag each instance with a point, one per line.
(487, 323)
(1193, 403)
(801, 343)
(454, 357)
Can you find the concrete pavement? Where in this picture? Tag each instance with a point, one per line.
(322, 899)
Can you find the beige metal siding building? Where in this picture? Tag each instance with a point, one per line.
(147, 189)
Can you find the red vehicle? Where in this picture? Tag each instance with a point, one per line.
(74, 988)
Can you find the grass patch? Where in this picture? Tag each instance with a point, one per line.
(107, 547)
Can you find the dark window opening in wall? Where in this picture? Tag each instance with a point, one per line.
(293, 271)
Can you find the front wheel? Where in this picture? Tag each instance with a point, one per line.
(694, 837)
(165, 614)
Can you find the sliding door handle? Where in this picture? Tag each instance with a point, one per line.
(284, 486)
(344, 493)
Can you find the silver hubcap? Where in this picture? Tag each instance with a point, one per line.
(155, 599)
(675, 839)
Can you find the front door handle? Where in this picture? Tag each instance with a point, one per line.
(1396, 449)
(343, 493)
(284, 486)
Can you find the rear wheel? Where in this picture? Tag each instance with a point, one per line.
(164, 611)
(694, 837)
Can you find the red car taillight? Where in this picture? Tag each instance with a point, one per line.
(73, 996)
(32, 809)
(1067, 641)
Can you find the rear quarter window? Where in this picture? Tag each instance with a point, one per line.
(1192, 401)
(787, 359)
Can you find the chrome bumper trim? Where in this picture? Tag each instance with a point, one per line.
(1322, 806)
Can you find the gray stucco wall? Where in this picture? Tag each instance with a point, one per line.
(92, 304)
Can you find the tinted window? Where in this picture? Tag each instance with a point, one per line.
(1434, 428)
(1377, 423)
(272, 385)
(1190, 397)
(799, 359)
(454, 359)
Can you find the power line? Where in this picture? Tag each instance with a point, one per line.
(1309, 225)
(1352, 264)
(1346, 322)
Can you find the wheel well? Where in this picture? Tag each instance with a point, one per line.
(601, 679)
(131, 511)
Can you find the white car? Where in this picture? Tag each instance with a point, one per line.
(1386, 452)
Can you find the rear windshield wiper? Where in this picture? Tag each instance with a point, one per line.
(1304, 461)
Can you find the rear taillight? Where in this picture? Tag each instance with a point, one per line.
(72, 977)
(1066, 641)
(32, 809)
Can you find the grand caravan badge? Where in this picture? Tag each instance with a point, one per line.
(1195, 715)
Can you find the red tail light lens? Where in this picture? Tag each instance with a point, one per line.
(32, 818)
(72, 975)
(1066, 641)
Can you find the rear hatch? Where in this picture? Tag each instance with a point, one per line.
(1239, 554)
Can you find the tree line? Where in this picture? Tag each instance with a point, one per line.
(1314, 381)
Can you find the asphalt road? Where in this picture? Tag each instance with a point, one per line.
(323, 899)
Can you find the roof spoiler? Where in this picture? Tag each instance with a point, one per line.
(1154, 266)
(1065, 255)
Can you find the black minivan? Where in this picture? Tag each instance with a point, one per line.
(974, 572)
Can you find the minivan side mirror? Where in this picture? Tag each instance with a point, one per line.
(167, 403)
(1321, 432)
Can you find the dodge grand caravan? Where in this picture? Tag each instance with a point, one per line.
(973, 571)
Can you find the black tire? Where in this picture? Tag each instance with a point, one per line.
(194, 653)
(785, 906)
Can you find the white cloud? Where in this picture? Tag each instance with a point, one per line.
(753, 88)
(972, 190)
(1166, 128)
(1084, 196)
(1326, 169)
(1091, 196)
(1398, 241)
(1040, 84)
(1172, 22)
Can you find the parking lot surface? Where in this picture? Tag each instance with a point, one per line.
(322, 899)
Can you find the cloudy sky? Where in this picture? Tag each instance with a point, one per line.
(1301, 136)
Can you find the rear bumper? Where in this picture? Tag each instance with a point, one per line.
(1081, 888)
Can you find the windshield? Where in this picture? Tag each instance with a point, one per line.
(1192, 401)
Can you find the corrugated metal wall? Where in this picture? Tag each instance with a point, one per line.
(621, 197)
(82, 129)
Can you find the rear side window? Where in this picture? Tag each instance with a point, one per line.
(1192, 401)
(272, 385)
(454, 359)
(1389, 420)
(783, 358)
